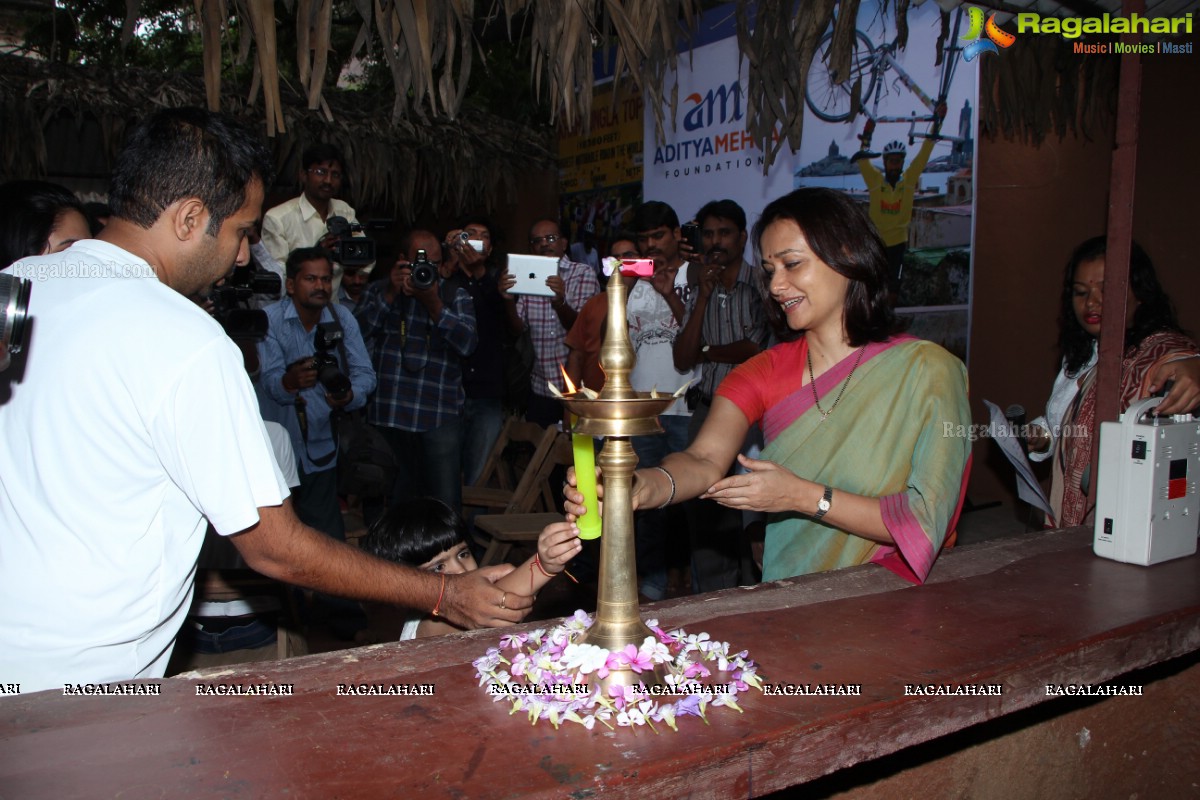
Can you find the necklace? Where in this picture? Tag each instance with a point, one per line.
(812, 382)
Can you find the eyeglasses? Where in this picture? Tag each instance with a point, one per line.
(321, 172)
(549, 238)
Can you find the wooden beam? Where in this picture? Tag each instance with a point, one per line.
(1120, 237)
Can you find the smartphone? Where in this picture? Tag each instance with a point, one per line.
(691, 233)
(641, 267)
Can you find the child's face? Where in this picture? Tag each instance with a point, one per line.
(455, 561)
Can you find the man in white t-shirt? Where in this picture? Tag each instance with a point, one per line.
(130, 419)
(655, 310)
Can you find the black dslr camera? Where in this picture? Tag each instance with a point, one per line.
(231, 301)
(325, 338)
(350, 250)
(424, 273)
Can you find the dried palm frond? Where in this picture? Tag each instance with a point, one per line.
(452, 167)
(212, 19)
(779, 51)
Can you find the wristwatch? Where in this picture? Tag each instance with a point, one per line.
(825, 503)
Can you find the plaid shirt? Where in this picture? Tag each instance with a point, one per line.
(730, 317)
(546, 330)
(417, 361)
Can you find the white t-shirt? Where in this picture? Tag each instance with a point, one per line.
(133, 420)
(653, 329)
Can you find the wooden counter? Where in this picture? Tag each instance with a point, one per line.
(1023, 612)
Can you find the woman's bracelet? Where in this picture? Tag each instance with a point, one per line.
(1184, 357)
(437, 606)
(671, 478)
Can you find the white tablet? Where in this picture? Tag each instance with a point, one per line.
(531, 273)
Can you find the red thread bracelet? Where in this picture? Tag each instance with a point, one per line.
(441, 594)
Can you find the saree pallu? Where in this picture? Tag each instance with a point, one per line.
(900, 433)
(1071, 473)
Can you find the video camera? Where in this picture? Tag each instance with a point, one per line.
(231, 302)
(325, 338)
(350, 250)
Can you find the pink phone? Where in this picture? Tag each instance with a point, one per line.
(641, 267)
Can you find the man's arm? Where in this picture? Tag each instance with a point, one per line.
(274, 237)
(281, 547)
(273, 362)
(686, 349)
(456, 324)
(918, 163)
(734, 353)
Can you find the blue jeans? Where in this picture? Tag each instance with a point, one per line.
(482, 420)
(651, 525)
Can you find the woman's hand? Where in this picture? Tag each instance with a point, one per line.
(1184, 395)
(767, 487)
(557, 545)
(1037, 439)
(642, 480)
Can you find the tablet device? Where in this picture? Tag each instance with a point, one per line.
(531, 273)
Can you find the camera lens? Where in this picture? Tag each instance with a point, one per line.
(424, 275)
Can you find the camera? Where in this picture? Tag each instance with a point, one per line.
(693, 236)
(14, 307)
(350, 250)
(424, 273)
(232, 301)
(325, 338)
(464, 239)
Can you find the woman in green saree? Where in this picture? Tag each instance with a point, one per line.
(867, 429)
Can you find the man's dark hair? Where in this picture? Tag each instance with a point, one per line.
(29, 210)
(1153, 314)
(654, 214)
(319, 154)
(479, 220)
(723, 209)
(415, 531)
(839, 232)
(186, 152)
(302, 254)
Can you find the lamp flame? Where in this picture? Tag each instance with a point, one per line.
(570, 384)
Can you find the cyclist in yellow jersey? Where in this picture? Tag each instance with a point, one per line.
(892, 191)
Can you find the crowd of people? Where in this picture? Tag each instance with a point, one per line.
(132, 422)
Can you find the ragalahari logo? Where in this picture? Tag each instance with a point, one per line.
(995, 40)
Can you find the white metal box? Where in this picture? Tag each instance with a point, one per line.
(1147, 508)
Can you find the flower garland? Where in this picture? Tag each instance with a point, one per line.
(547, 672)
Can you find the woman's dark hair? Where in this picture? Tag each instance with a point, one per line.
(839, 232)
(415, 531)
(1153, 314)
(29, 210)
(186, 152)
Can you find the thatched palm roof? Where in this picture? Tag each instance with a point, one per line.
(406, 166)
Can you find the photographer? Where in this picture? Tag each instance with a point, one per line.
(311, 375)
(304, 221)
(419, 328)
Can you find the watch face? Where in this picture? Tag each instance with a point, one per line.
(823, 504)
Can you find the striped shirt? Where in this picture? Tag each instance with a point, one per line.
(731, 316)
(546, 330)
(417, 361)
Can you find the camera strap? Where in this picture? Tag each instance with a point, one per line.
(334, 415)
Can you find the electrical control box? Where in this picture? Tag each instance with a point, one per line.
(1147, 507)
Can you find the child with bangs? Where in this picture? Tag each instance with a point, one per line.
(427, 534)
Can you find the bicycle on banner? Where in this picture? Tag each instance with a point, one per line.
(868, 84)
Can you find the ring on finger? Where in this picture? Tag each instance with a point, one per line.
(503, 597)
